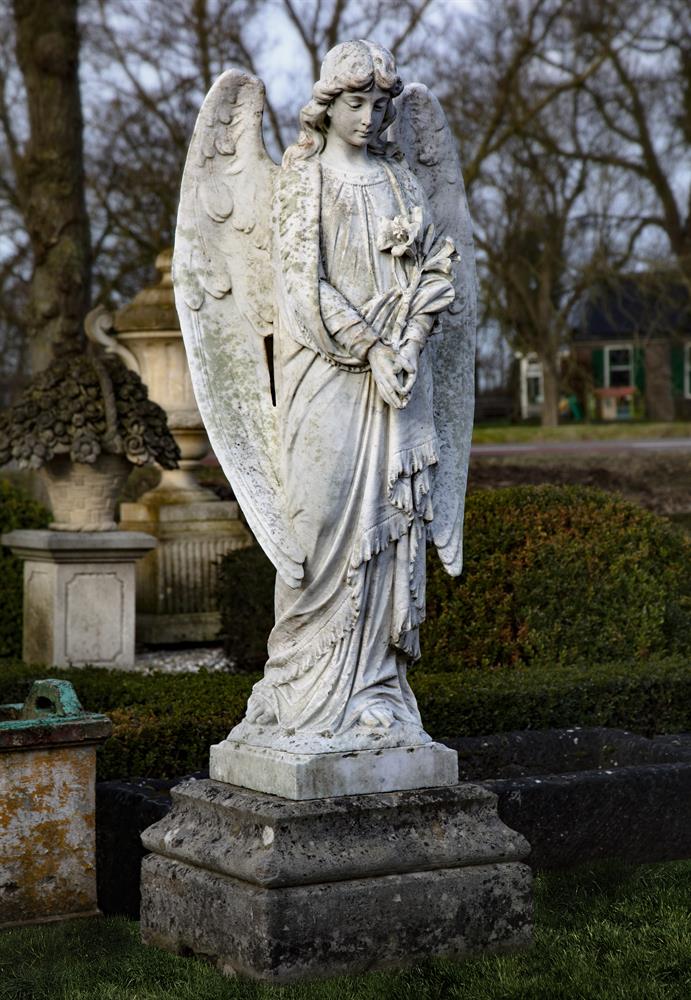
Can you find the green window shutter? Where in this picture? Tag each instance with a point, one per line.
(598, 365)
(639, 368)
(676, 364)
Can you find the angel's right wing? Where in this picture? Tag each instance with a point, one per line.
(423, 134)
(222, 271)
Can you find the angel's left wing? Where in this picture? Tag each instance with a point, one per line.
(424, 136)
(224, 293)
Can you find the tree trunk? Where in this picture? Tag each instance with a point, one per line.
(550, 393)
(51, 178)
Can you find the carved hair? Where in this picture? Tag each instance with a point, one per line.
(351, 66)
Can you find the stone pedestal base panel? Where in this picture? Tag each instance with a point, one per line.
(47, 814)
(79, 595)
(320, 775)
(176, 583)
(281, 891)
(47, 835)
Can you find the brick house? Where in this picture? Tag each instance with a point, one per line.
(632, 350)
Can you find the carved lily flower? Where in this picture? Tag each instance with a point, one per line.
(441, 257)
(399, 234)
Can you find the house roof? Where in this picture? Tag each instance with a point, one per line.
(635, 306)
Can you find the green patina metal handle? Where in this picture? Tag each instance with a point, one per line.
(51, 698)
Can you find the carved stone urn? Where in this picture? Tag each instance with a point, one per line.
(83, 495)
(176, 583)
(149, 341)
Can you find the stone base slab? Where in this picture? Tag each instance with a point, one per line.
(272, 841)
(59, 918)
(281, 891)
(323, 775)
(335, 928)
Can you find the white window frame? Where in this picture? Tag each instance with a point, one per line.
(608, 366)
(533, 370)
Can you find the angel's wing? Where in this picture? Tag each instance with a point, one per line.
(224, 295)
(423, 134)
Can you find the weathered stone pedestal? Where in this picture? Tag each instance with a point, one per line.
(281, 890)
(176, 583)
(79, 595)
(47, 806)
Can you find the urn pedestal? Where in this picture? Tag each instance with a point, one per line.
(79, 595)
(176, 584)
(281, 891)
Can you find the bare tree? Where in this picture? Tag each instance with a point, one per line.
(48, 175)
(552, 216)
(545, 245)
(151, 65)
(636, 110)
(551, 101)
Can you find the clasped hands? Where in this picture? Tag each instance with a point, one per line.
(394, 372)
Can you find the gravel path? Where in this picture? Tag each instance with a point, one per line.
(188, 660)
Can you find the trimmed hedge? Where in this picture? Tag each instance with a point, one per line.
(246, 580)
(645, 698)
(164, 724)
(17, 510)
(559, 575)
(554, 575)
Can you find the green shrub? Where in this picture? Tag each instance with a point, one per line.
(163, 724)
(246, 601)
(554, 575)
(146, 742)
(646, 698)
(559, 575)
(17, 510)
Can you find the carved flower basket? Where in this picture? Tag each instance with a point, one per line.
(83, 495)
(84, 422)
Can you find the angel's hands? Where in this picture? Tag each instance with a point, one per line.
(386, 365)
(408, 359)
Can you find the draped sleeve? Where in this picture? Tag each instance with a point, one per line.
(301, 289)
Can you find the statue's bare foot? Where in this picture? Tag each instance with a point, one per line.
(260, 715)
(377, 717)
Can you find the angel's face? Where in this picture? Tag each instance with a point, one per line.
(357, 116)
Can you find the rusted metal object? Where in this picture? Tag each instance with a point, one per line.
(47, 806)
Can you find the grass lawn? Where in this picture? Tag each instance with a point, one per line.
(619, 430)
(605, 932)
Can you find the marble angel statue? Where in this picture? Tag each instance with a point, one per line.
(356, 257)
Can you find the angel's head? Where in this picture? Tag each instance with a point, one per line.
(357, 67)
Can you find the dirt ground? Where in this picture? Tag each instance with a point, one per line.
(659, 482)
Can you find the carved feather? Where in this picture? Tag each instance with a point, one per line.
(423, 134)
(223, 279)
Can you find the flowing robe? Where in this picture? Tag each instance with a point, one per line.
(357, 473)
